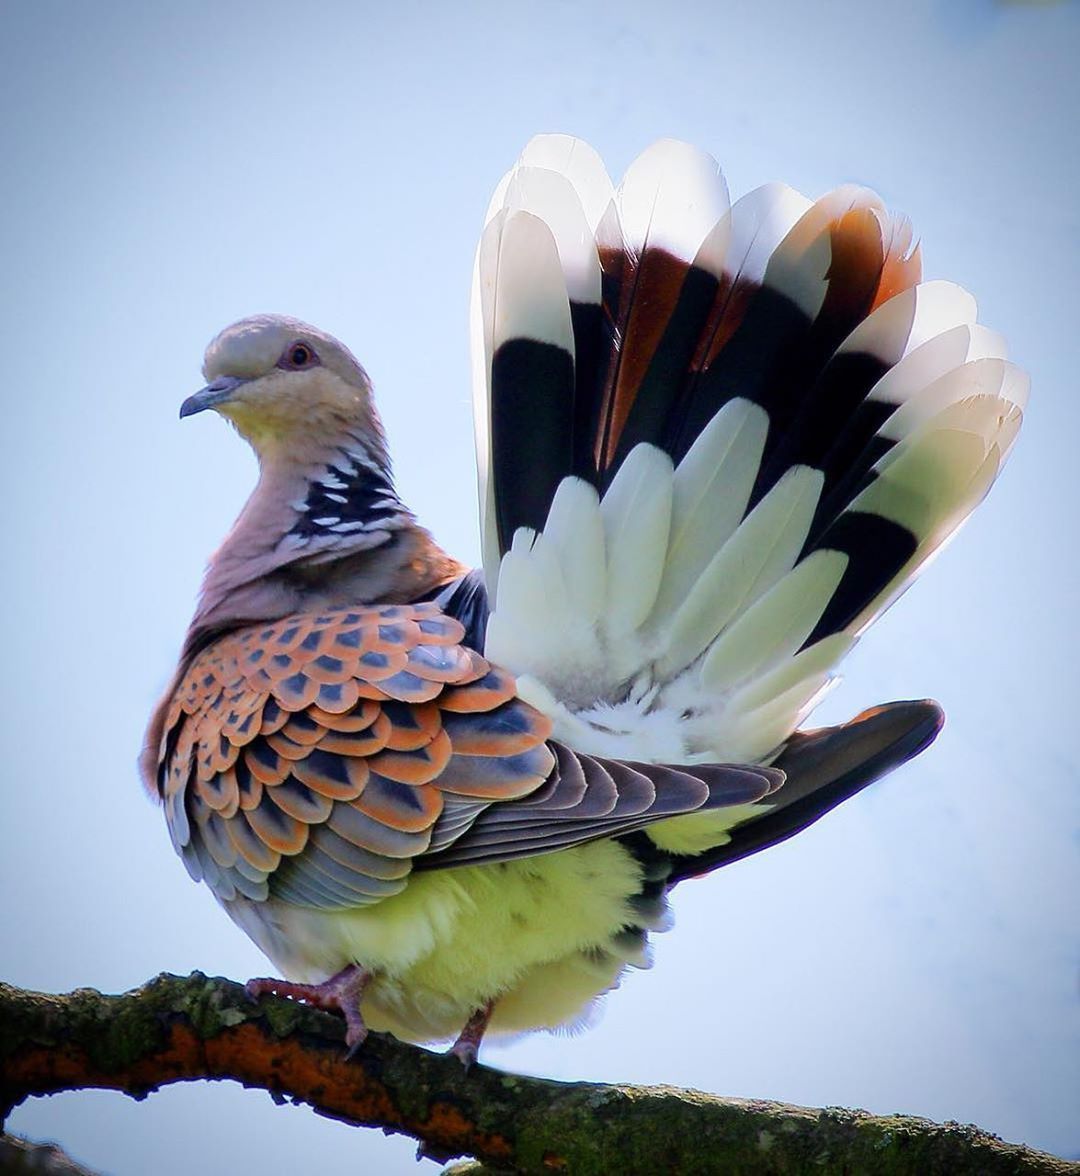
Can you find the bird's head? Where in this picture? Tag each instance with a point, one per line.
(284, 385)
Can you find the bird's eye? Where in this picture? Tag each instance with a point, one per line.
(299, 355)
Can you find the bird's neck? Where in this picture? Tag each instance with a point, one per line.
(323, 527)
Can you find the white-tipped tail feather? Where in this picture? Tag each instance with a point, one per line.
(770, 424)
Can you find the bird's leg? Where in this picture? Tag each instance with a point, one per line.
(341, 992)
(467, 1046)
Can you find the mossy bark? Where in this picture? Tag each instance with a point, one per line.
(183, 1029)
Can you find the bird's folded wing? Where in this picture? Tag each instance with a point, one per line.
(319, 758)
(587, 797)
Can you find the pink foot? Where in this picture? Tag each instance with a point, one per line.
(467, 1047)
(341, 993)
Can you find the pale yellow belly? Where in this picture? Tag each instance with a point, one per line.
(535, 935)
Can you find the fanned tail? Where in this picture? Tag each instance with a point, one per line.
(715, 442)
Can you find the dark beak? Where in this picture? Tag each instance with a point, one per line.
(211, 396)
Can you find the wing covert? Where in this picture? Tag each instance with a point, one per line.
(311, 758)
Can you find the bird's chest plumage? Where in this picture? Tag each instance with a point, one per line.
(544, 936)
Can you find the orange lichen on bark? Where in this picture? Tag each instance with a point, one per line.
(177, 1029)
(302, 1068)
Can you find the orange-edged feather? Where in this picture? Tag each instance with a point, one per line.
(363, 714)
(274, 718)
(399, 805)
(276, 828)
(342, 698)
(487, 692)
(251, 847)
(440, 629)
(367, 741)
(504, 730)
(264, 763)
(300, 802)
(304, 729)
(286, 748)
(419, 766)
(220, 792)
(340, 777)
(411, 727)
(405, 686)
(298, 691)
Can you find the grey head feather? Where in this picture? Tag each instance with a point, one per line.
(254, 346)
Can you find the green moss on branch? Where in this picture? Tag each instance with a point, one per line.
(177, 1029)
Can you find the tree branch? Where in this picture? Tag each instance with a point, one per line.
(183, 1029)
(24, 1157)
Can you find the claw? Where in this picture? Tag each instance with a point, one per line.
(467, 1047)
(341, 993)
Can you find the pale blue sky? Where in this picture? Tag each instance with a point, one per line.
(167, 171)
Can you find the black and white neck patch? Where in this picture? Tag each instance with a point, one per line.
(351, 498)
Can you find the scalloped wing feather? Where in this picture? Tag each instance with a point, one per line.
(258, 750)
